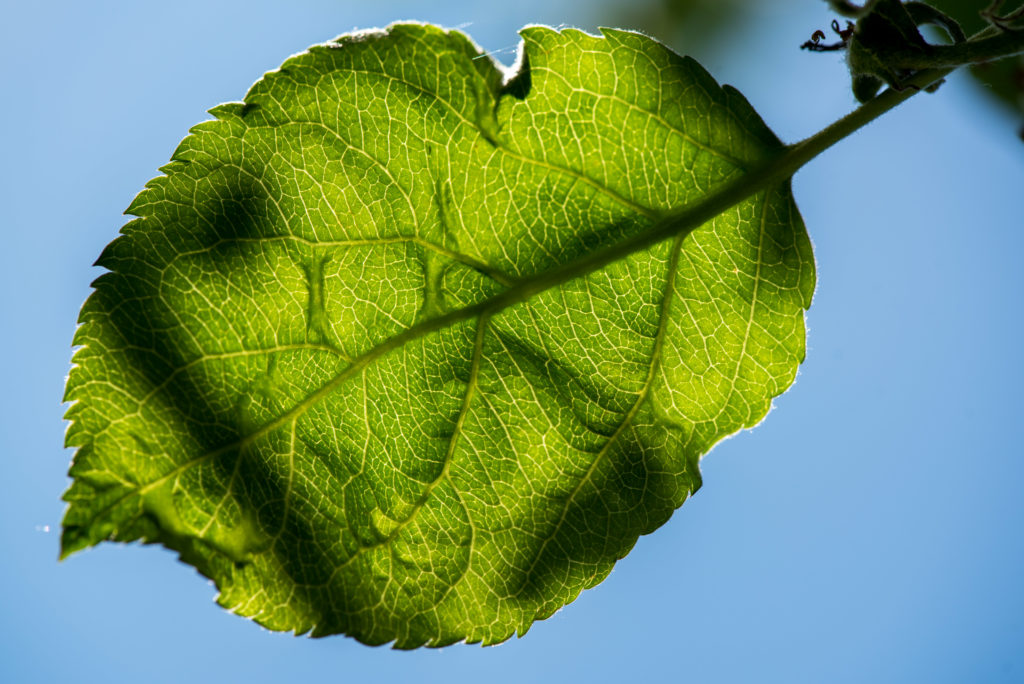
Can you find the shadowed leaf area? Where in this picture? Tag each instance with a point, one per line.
(300, 372)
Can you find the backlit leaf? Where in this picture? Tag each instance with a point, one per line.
(338, 362)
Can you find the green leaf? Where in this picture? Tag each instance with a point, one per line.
(394, 348)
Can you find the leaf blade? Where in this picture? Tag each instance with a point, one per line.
(359, 411)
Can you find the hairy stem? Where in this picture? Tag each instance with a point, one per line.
(1004, 44)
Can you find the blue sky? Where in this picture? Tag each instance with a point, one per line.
(868, 530)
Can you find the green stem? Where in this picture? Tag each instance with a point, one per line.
(1005, 44)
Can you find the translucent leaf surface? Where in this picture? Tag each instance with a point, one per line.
(330, 366)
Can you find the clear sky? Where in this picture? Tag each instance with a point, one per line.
(868, 530)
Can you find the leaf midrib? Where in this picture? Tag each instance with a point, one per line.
(772, 172)
(679, 224)
(666, 225)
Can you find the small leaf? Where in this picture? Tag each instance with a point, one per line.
(330, 366)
